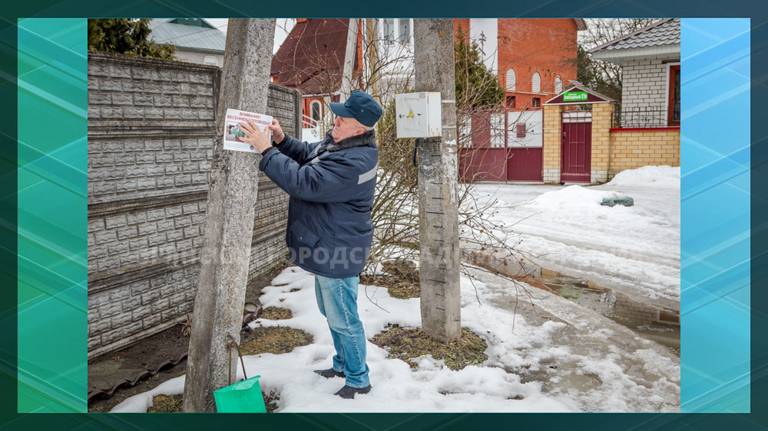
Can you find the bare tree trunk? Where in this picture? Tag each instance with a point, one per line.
(229, 220)
(438, 196)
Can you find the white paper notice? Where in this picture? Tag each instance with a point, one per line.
(234, 134)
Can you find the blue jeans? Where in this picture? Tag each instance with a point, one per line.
(337, 300)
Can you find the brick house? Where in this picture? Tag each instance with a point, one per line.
(321, 58)
(650, 64)
(533, 59)
(393, 61)
(588, 138)
(646, 126)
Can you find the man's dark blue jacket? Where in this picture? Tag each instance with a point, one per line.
(331, 187)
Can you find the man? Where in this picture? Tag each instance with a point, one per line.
(331, 185)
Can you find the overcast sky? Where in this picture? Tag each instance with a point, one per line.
(282, 28)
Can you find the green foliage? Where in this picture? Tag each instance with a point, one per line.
(476, 86)
(125, 36)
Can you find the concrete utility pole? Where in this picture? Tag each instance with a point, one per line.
(224, 258)
(438, 197)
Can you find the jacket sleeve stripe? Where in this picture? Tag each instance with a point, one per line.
(367, 176)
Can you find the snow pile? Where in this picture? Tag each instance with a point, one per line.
(515, 342)
(142, 402)
(648, 176)
(573, 198)
(565, 229)
(396, 387)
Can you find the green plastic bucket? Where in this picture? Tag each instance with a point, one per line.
(241, 397)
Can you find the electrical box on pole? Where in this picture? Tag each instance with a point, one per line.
(418, 115)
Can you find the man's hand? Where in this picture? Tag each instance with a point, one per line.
(277, 132)
(257, 139)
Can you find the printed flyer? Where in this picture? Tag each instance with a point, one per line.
(234, 135)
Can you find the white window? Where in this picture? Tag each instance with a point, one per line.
(510, 80)
(558, 84)
(404, 31)
(388, 29)
(314, 109)
(536, 83)
(673, 94)
(209, 59)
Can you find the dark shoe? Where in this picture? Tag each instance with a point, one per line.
(349, 392)
(330, 373)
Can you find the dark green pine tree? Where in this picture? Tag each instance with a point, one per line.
(125, 36)
(476, 86)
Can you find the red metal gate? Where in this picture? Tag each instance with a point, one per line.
(576, 153)
(487, 155)
(524, 164)
(480, 159)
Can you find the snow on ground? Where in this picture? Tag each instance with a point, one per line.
(653, 176)
(564, 228)
(536, 362)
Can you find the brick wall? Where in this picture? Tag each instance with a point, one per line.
(552, 143)
(527, 45)
(545, 46)
(644, 85)
(151, 125)
(632, 149)
(601, 125)
(613, 150)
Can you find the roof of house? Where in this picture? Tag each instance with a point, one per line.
(576, 85)
(581, 24)
(662, 37)
(194, 34)
(312, 56)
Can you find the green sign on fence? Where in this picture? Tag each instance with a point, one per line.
(575, 96)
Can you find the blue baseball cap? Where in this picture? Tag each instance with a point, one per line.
(360, 106)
